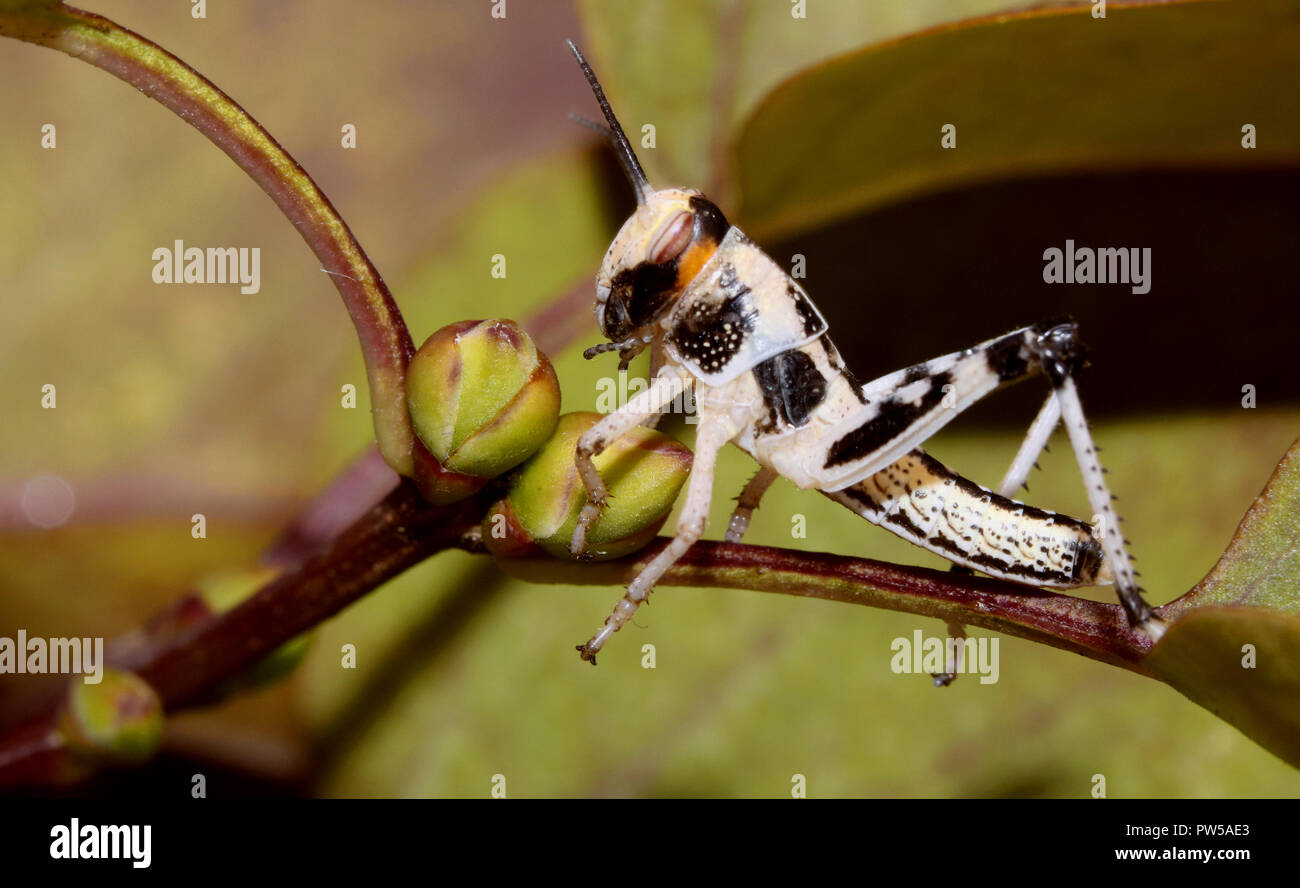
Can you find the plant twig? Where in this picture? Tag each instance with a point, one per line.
(353, 492)
(399, 532)
(403, 530)
(1090, 628)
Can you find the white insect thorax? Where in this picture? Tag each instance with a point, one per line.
(738, 311)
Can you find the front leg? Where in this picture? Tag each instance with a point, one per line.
(713, 435)
(663, 390)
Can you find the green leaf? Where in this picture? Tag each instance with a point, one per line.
(664, 54)
(1261, 567)
(695, 68)
(1204, 656)
(1234, 644)
(1032, 92)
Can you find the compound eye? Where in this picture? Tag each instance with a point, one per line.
(674, 238)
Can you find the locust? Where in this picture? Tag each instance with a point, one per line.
(725, 322)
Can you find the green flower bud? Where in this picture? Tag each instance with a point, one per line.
(119, 720)
(222, 592)
(482, 399)
(644, 471)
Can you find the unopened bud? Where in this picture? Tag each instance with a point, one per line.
(644, 471)
(482, 399)
(119, 720)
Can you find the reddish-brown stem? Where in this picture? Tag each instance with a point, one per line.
(399, 532)
(402, 530)
(1092, 629)
(348, 497)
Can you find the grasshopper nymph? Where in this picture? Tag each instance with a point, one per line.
(724, 320)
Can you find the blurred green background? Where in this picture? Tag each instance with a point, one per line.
(181, 399)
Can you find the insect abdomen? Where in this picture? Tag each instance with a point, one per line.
(928, 504)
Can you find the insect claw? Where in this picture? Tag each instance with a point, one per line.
(585, 652)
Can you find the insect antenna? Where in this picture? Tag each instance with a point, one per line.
(626, 156)
(594, 126)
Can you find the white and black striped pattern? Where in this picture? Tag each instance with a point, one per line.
(930, 505)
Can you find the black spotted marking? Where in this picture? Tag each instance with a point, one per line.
(892, 419)
(712, 330)
(1086, 562)
(989, 564)
(1008, 357)
(792, 388)
(812, 322)
(970, 488)
(1087, 556)
(709, 221)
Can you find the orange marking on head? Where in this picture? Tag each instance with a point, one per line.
(693, 259)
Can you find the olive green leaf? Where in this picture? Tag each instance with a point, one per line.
(1234, 643)
(695, 68)
(1029, 92)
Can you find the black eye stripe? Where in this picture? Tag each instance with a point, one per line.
(639, 294)
(644, 288)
